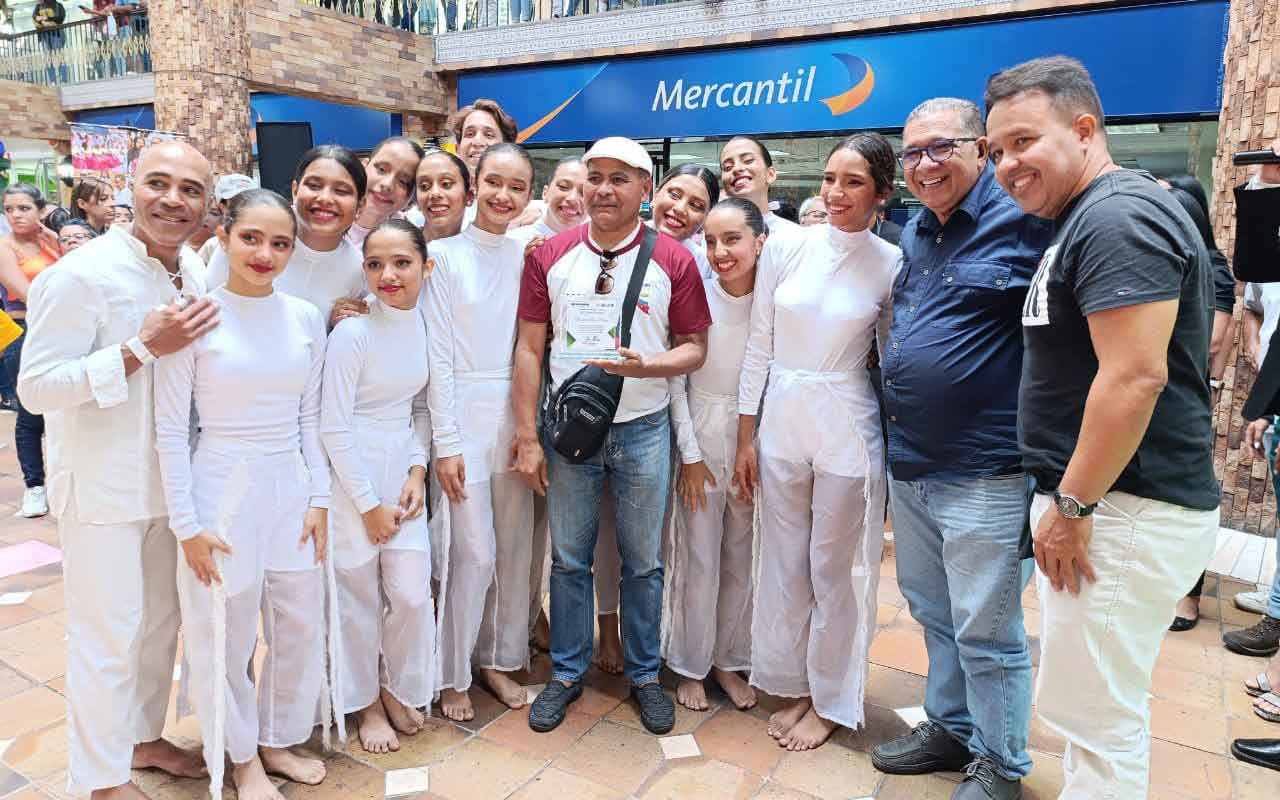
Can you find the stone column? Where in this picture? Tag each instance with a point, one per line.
(1250, 120)
(200, 53)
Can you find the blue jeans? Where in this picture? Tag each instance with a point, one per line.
(28, 429)
(521, 10)
(1270, 440)
(961, 569)
(636, 461)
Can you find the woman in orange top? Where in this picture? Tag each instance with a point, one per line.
(23, 255)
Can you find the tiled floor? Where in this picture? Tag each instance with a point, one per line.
(601, 751)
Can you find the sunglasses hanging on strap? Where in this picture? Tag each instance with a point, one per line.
(577, 417)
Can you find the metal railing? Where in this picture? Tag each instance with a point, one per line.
(430, 17)
(86, 50)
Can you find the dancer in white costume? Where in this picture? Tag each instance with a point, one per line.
(373, 418)
(707, 620)
(471, 304)
(746, 171)
(822, 294)
(565, 209)
(390, 174)
(328, 186)
(97, 321)
(250, 508)
(681, 203)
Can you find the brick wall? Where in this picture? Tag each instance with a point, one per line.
(31, 112)
(1250, 120)
(315, 52)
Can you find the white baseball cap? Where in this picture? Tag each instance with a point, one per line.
(228, 186)
(628, 151)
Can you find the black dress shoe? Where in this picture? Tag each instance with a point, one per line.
(1260, 752)
(928, 748)
(1181, 624)
(657, 712)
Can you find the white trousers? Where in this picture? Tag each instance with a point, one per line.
(1097, 650)
(539, 561)
(388, 630)
(709, 605)
(485, 616)
(257, 505)
(822, 489)
(122, 634)
(707, 613)
(607, 567)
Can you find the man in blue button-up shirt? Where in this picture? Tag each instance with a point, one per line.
(960, 499)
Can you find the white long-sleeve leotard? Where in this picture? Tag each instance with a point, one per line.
(815, 287)
(719, 374)
(375, 372)
(255, 382)
(471, 307)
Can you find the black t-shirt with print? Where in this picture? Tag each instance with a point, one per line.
(1123, 241)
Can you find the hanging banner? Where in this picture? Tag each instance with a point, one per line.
(109, 152)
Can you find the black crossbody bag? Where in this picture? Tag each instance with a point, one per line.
(576, 418)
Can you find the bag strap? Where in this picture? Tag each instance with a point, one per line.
(637, 281)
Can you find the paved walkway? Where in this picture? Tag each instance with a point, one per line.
(601, 751)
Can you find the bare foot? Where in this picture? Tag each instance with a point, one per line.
(299, 769)
(252, 782)
(610, 657)
(692, 694)
(128, 791)
(376, 735)
(166, 756)
(456, 705)
(739, 691)
(811, 732)
(1273, 677)
(780, 722)
(405, 719)
(512, 694)
(1265, 706)
(541, 637)
(1188, 608)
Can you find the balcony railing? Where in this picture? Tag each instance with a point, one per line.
(86, 50)
(430, 17)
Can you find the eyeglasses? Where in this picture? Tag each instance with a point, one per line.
(74, 238)
(938, 151)
(604, 281)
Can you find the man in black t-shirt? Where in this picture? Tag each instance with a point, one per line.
(1113, 416)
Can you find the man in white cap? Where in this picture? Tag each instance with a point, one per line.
(573, 282)
(227, 187)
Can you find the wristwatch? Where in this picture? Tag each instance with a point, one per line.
(140, 350)
(1072, 508)
(1215, 384)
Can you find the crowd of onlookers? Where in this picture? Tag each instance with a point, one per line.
(102, 46)
(442, 16)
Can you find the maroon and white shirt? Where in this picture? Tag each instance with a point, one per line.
(672, 303)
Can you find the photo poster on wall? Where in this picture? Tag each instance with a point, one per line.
(110, 153)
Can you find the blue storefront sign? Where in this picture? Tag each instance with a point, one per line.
(1149, 62)
(331, 123)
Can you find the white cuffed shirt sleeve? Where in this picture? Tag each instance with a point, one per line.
(759, 353)
(309, 415)
(343, 363)
(174, 384)
(682, 420)
(440, 356)
(60, 370)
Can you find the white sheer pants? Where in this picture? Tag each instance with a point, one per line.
(709, 605)
(486, 605)
(815, 605)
